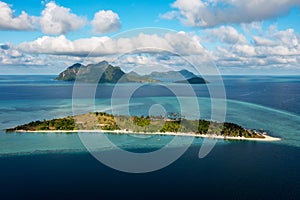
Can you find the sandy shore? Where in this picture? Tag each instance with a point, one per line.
(266, 137)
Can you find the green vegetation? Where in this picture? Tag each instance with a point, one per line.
(171, 123)
(101, 72)
(70, 73)
(141, 121)
(170, 126)
(66, 123)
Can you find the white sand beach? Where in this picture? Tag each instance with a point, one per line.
(212, 136)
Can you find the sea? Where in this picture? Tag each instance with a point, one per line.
(59, 165)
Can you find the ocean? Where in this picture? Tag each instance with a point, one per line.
(52, 165)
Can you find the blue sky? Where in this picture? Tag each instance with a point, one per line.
(242, 37)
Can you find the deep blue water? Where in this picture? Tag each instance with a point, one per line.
(57, 166)
(240, 170)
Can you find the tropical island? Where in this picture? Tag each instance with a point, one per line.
(103, 72)
(171, 124)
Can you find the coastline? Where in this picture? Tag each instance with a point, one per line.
(211, 136)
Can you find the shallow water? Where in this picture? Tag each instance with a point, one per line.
(277, 123)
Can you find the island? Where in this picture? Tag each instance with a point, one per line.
(172, 124)
(103, 72)
(193, 80)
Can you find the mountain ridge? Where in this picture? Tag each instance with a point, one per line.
(114, 74)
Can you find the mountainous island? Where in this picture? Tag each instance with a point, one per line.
(171, 124)
(103, 72)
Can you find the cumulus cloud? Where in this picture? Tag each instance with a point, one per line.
(276, 49)
(180, 43)
(60, 45)
(142, 63)
(14, 61)
(56, 20)
(229, 48)
(209, 13)
(271, 48)
(10, 22)
(106, 22)
(226, 34)
(260, 41)
(59, 20)
(287, 37)
(11, 56)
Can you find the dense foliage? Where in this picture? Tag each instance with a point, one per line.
(67, 123)
(106, 121)
(101, 72)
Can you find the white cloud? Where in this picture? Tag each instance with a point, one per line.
(287, 37)
(274, 37)
(266, 49)
(259, 41)
(11, 56)
(8, 55)
(245, 50)
(59, 20)
(209, 13)
(169, 15)
(142, 53)
(269, 49)
(252, 28)
(60, 45)
(10, 22)
(226, 34)
(106, 22)
(180, 43)
(14, 61)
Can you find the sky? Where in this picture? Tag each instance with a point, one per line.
(240, 37)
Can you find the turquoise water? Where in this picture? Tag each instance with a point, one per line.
(278, 123)
(30, 98)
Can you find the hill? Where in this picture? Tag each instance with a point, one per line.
(172, 76)
(103, 72)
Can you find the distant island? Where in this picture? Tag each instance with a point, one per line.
(193, 80)
(171, 124)
(113, 74)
